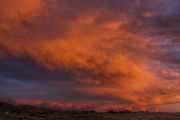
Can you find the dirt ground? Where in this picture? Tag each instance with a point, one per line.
(89, 116)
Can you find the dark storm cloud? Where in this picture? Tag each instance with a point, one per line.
(23, 78)
(26, 69)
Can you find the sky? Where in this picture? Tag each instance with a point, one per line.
(91, 54)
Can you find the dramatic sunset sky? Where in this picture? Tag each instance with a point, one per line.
(91, 54)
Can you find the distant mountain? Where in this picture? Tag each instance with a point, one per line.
(6, 106)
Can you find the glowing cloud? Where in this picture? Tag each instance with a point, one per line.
(120, 51)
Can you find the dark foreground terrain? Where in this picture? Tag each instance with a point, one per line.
(12, 112)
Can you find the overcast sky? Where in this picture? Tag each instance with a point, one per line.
(91, 54)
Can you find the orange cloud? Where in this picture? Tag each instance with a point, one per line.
(102, 50)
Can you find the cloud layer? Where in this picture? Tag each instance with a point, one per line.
(97, 54)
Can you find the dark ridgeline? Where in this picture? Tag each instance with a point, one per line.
(28, 112)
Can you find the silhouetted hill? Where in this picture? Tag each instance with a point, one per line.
(7, 107)
(28, 112)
